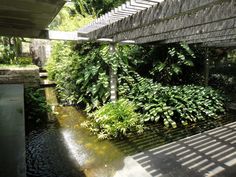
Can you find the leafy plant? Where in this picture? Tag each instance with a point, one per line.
(85, 82)
(7, 52)
(82, 76)
(36, 107)
(173, 104)
(114, 120)
(22, 61)
(178, 57)
(99, 6)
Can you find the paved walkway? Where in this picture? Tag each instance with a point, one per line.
(12, 131)
(209, 154)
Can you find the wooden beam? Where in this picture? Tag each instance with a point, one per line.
(164, 11)
(196, 32)
(200, 19)
(226, 43)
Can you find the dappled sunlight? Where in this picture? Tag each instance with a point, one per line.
(207, 154)
(51, 96)
(77, 151)
(94, 157)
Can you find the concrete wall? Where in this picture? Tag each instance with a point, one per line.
(29, 76)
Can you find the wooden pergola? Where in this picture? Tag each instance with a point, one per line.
(208, 22)
(211, 22)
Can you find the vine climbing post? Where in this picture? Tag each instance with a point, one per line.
(113, 77)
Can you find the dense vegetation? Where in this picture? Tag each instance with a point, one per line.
(10, 52)
(99, 7)
(83, 79)
(36, 107)
(155, 84)
(115, 120)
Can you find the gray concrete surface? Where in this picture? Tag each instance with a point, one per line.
(12, 131)
(208, 154)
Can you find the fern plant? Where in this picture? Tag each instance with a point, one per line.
(115, 120)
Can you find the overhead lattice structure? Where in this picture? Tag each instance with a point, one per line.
(212, 22)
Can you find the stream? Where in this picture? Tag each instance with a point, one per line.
(63, 148)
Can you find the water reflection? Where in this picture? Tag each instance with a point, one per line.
(47, 156)
(95, 157)
(76, 151)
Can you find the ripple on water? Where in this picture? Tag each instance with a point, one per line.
(46, 155)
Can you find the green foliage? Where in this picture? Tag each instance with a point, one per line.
(115, 120)
(22, 61)
(10, 50)
(166, 69)
(69, 20)
(81, 79)
(232, 56)
(7, 54)
(175, 104)
(36, 107)
(96, 6)
(83, 76)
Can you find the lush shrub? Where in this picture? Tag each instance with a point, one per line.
(173, 104)
(36, 107)
(167, 69)
(115, 120)
(81, 79)
(82, 76)
(22, 61)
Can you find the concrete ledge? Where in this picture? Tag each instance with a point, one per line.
(12, 131)
(29, 76)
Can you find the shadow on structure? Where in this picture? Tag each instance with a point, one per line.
(212, 153)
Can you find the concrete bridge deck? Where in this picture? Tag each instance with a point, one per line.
(12, 131)
(208, 154)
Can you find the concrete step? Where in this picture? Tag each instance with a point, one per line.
(42, 70)
(47, 83)
(43, 75)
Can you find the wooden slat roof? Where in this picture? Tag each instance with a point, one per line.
(167, 21)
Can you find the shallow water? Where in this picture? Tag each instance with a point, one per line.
(65, 149)
(47, 155)
(66, 142)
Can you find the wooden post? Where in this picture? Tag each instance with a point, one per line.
(207, 62)
(113, 78)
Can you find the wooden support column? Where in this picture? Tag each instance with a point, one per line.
(207, 62)
(113, 78)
